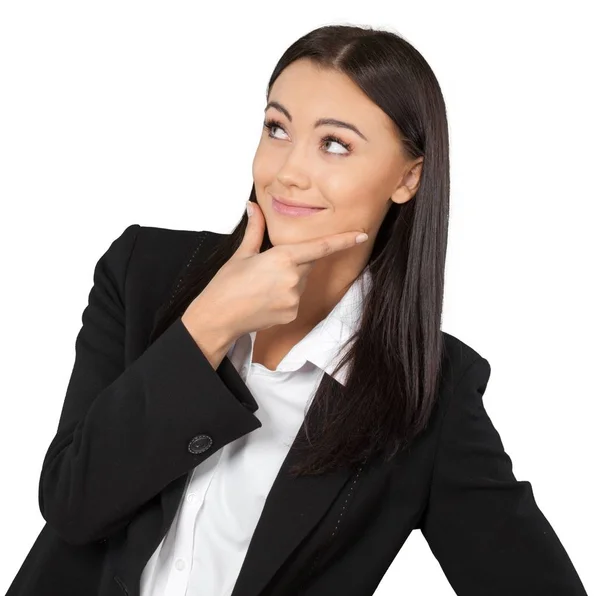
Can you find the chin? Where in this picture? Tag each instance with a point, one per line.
(278, 235)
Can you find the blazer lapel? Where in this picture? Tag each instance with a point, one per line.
(293, 508)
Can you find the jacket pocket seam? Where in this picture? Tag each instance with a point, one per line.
(328, 543)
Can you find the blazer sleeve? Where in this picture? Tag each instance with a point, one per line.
(482, 525)
(124, 431)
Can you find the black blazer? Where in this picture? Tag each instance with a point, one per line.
(137, 419)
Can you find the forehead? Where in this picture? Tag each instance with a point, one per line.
(310, 92)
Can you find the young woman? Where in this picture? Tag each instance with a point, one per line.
(273, 411)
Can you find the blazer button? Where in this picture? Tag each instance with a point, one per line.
(200, 444)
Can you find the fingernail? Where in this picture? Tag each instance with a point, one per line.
(249, 208)
(361, 238)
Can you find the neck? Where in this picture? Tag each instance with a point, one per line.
(326, 284)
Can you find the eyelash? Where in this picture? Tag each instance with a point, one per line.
(271, 123)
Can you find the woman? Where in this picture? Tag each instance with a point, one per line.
(273, 411)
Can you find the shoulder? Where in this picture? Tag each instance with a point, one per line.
(161, 255)
(162, 252)
(462, 364)
(457, 352)
(144, 262)
(463, 378)
(169, 245)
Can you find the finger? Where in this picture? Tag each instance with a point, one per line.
(311, 250)
(254, 233)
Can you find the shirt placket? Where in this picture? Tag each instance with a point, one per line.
(181, 567)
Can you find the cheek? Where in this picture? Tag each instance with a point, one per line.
(342, 188)
(264, 168)
(348, 191)
(357, 200)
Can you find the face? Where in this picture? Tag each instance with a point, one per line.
(355, 176)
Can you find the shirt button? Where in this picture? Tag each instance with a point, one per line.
(191, 497)
(180, 564)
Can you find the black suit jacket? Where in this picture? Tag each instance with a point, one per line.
(137, 419)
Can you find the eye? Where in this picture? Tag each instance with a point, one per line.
(348, 147)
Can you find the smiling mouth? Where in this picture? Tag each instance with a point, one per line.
(291, 204)
(284, 209)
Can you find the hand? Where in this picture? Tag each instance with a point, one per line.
(254, 290)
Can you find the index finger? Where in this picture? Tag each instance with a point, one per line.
(311, 250)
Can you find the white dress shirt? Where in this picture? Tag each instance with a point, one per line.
(203, 551)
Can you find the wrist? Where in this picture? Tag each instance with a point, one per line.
(211, 336)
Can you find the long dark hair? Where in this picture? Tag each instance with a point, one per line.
(396, 354)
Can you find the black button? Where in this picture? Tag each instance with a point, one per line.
(200, 444)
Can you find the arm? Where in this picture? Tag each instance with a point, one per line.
(482, 525)
(124, 432)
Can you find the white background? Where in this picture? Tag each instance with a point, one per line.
(113, 113)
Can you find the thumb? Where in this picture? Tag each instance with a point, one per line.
(254, 233)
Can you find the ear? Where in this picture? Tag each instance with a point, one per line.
(409, 184)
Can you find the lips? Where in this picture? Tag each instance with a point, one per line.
(288, 210)
(291, 204)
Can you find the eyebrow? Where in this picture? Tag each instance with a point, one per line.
(320, 121)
